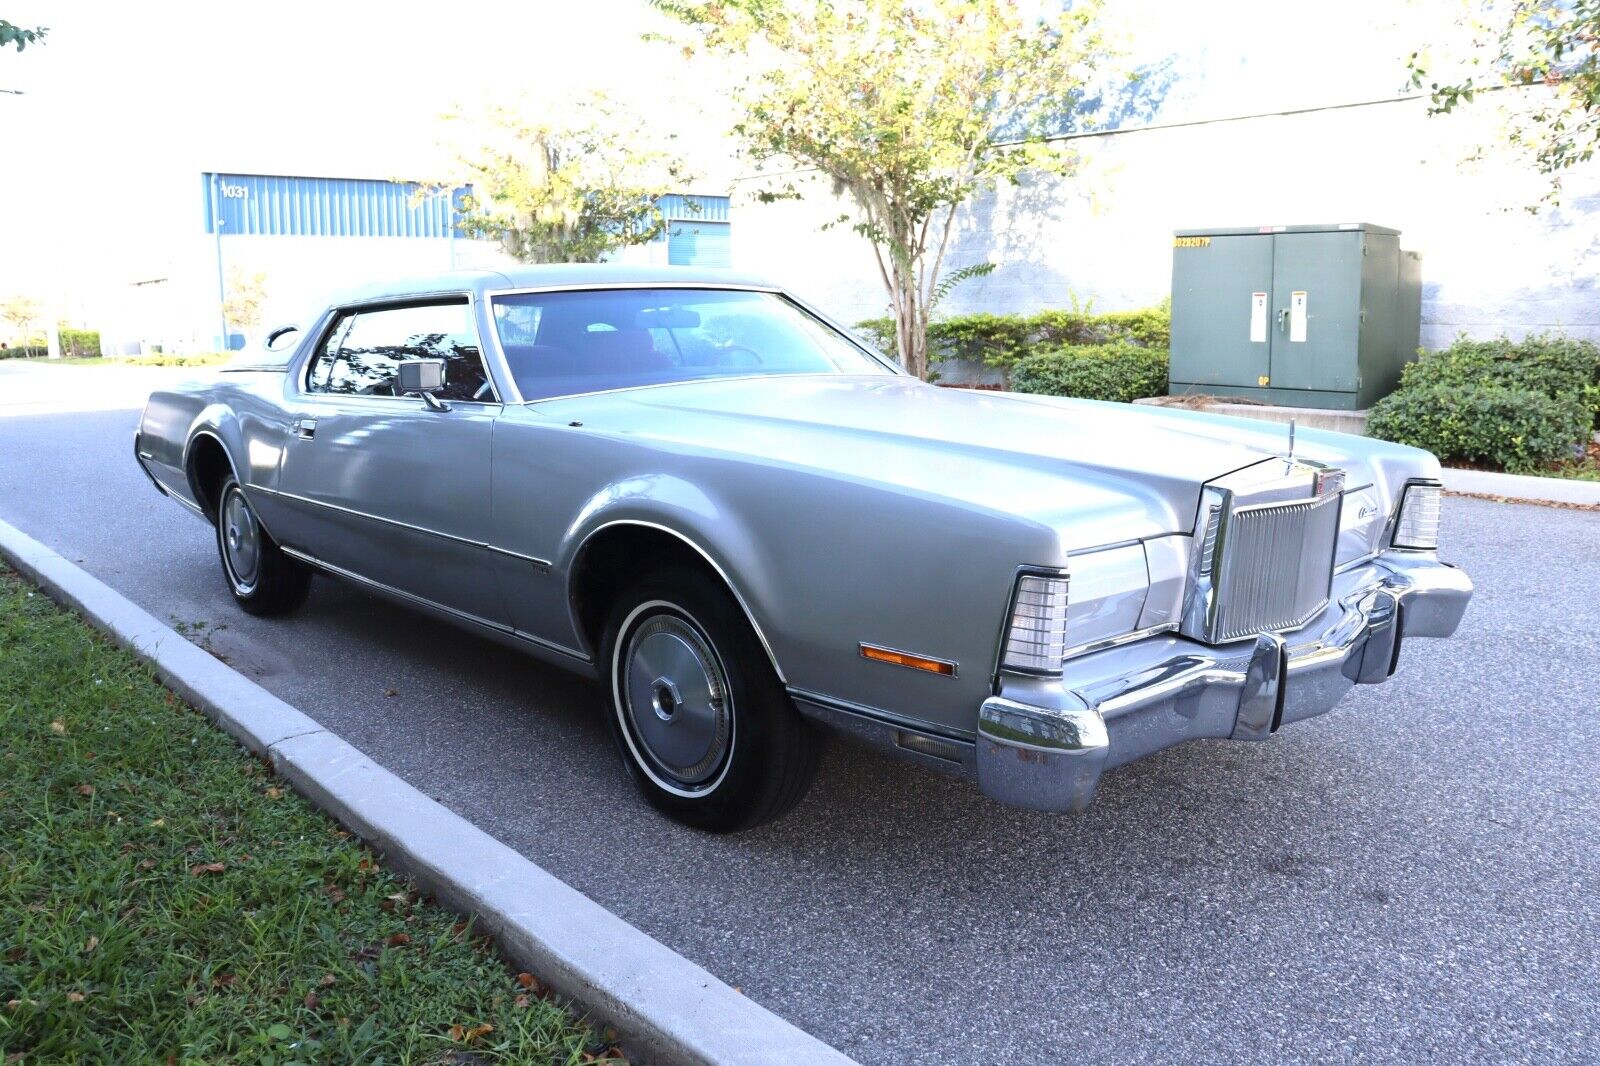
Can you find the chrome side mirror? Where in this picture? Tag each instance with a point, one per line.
(421, 377)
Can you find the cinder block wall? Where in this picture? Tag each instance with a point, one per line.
(1104, 236)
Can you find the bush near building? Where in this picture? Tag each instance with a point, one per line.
(80, 343)
(1520, 406)
(1120, 355)
(1122, 371)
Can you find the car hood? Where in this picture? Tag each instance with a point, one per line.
(1100, 472)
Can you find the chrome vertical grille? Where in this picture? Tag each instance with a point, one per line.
(1276, 566)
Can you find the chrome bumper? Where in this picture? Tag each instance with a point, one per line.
(1044, 742)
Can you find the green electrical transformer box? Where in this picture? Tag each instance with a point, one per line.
(1301, 316)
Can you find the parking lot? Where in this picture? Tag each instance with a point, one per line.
(1416, 875)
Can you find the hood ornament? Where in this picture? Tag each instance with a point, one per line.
(1291, 440)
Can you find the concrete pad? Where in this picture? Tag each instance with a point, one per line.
(1354, 422)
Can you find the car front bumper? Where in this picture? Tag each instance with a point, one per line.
(1043, 742)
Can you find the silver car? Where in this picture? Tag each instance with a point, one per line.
(747, 525)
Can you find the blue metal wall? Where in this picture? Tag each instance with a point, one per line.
(271, 205)
(697, 208)
(706, 244)
(698, 231)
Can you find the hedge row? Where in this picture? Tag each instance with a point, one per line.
(1517, 406)
(1121, 371)
(80, 343)
(1003, 341)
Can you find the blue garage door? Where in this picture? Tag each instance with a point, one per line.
(706, 244)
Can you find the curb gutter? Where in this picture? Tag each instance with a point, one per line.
(663, 1005)
(1522, 486)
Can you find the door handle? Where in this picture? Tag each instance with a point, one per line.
(304, 428)
(1283, 319)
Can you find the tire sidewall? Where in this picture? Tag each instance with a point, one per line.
(752, 687)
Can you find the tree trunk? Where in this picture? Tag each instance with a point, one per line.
(910, 321)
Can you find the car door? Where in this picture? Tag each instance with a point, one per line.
(392, 488)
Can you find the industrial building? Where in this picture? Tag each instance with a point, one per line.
(298, 238)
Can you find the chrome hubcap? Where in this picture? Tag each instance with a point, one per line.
(677, 698)
(241, 539)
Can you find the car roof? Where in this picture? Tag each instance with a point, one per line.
(553, 275)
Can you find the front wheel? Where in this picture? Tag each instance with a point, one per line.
(705, 727)
(264, 581)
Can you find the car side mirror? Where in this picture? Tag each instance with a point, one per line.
(421, 377)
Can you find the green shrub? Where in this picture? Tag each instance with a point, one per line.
(1003, 341)
(80, 343)
(1515, 429)
(1559, 367)
(1120, 371)
(25, 351)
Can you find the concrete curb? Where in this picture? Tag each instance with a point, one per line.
(1522, 487)
(665, 1007)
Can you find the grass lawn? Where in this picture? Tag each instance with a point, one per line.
(164, 898)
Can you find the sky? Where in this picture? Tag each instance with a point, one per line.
(126, 104)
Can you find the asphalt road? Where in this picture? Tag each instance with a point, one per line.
(1414, 876)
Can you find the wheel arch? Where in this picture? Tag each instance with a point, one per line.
(206, 461)
(619, 549)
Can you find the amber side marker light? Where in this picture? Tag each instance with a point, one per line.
(903, 658)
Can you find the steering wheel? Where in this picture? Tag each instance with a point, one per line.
(485, 390)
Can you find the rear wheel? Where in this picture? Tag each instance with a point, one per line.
(703, 723)
(263, 579)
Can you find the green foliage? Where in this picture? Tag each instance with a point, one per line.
(1002, 341)
(1513, 405)
(956, 277)
(22, 312)
(20, 37)
(1515, 429)
(80, 343)
(164, 895)
(1547, 47)
(246, 295)
(908, 108)
(1117, 371)
(567, 185)
(1559, 367)
(35, 348)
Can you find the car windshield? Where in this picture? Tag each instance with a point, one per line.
(566, 343)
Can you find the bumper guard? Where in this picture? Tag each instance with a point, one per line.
(1044, 742)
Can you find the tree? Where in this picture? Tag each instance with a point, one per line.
(21, 37)
(569, 186)
(909, 107)
(1550, 48)
(22, 312)
(246, 294)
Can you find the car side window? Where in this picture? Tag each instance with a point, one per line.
(362, 353)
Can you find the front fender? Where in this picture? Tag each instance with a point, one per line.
(708, 525)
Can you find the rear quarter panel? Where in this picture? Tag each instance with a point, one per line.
(243, 410)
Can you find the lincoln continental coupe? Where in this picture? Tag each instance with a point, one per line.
(751, 528)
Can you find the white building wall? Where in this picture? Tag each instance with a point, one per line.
(177, 304)
(1104, 236)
